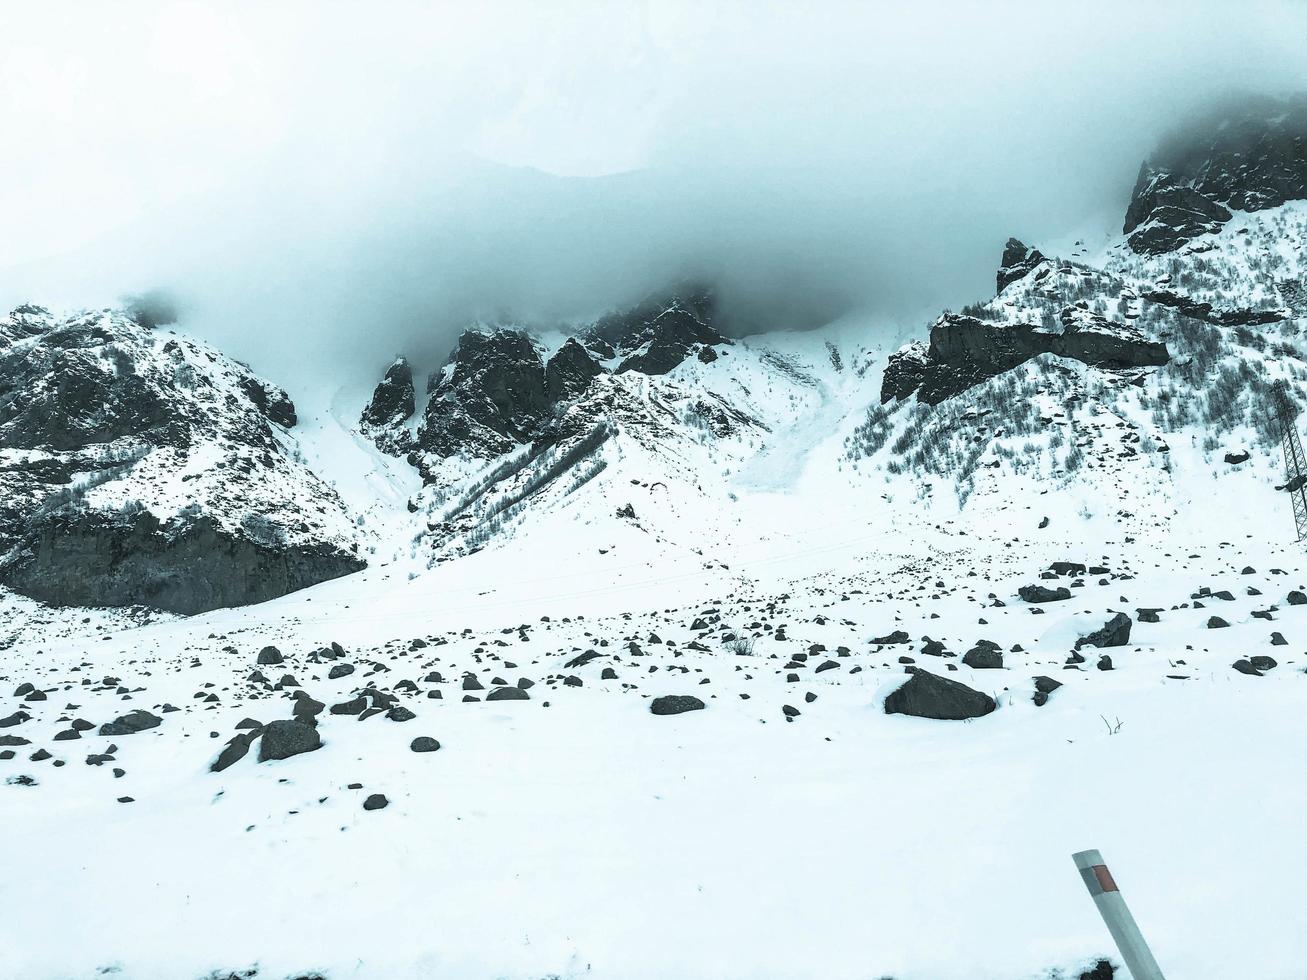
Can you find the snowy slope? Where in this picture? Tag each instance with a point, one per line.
(776, 526)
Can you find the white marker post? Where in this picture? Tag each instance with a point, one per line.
(1120, 923)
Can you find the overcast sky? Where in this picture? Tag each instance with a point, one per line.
(333, 183)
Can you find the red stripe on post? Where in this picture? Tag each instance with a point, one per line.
(1104, 877)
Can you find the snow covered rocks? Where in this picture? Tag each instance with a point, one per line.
(138, 467)
(675, 704)
(927, 695)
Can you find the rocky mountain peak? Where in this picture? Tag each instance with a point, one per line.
(1247, 157)
(498, 390)
(394, 400)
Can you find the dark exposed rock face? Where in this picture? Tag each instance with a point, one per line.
(964, 351)
(570, 371)
(1017, 263)
(1244, 158)
(393, 403)
(661, 331)
(99, 401)
(497, 393)
(490, 398)
(115, 559)
(1205, 311)
(927, 695)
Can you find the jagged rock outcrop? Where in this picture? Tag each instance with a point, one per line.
(662, 331)
(394, 399)
(143, 468)
(1017, 263)
(489, 398)
(497, 392)
(964, 351)
(1244, 158)
(393, 403)
(570, 371)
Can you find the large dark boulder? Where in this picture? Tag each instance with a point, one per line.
(283, 739)
(131, 723)
(927, 695)
(1039, 593)
(675, 704)
(984, 656)
(1114, 633)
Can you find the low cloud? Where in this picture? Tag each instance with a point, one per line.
(327, 185)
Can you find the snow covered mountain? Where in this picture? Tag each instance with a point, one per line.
(139, 467)
(641, 650)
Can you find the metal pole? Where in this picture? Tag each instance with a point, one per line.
(1120, 923)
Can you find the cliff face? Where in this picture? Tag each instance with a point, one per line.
(501, 389)
(142, 467)
(1246, 158)
(964, 351)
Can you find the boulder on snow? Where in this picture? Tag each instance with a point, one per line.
(985, 655)
(269, 656)
(675, 704)
(131, 723)
(1044, 686)
(283, 739)
(927, 695)
(1114, 633)
(1038, 593)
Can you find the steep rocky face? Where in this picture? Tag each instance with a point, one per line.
(497, 392)
(490, 397)
(142, 467)
(570, 371)
(660, 333)
(393, 403)
(964, 351)
(186, 566)
(394, 398)
(1247, 158)
(1017, 263)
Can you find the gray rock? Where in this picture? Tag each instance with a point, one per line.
(508, 694)
(283, 739)
(926, 695)
(675, 704)
(131, 723)
(1039, 593)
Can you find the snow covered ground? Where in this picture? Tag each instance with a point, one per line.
(575, 834)
(791, 828)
